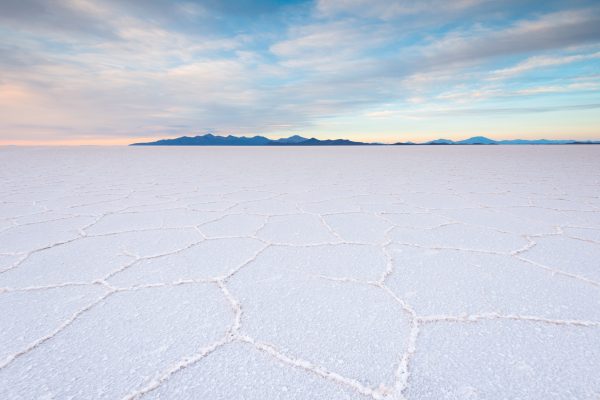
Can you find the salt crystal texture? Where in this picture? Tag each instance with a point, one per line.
(410, 272)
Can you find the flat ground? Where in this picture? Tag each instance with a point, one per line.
(463, 272)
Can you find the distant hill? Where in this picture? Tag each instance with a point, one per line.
(477, 140)
(210, 140)
(482, 140)
(213, 140)
(539, 141)
(440, 142)
(291, 140)
(326, 142)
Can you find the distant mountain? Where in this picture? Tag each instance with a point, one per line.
(440, 141)
(210, 140)
(213, 140)
(477, 140)
(585, 142)
(538, 141)
(326, 142)
(291, 140)
(482, 140)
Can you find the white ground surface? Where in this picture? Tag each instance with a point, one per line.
(300, 273)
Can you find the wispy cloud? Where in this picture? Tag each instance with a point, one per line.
(538, 62)
(385, 9)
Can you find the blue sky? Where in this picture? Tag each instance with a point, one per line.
(115, 71)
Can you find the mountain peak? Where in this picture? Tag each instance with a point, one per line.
(440, 141)
(292, 139)
(477, 140)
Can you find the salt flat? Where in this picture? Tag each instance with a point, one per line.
(462, 272)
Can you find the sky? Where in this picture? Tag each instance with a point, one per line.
(120, 71)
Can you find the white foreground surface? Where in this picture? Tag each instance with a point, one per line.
(461, 272)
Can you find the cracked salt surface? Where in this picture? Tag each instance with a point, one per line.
(233, 371)
(505, 359)
(294, 273)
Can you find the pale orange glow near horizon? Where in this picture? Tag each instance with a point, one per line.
(374, 138)
(77, 142)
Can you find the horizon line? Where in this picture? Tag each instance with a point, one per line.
(134, 140)
(146, 141)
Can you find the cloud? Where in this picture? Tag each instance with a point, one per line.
(538, 62)
(58, 18)
(519, 110)
(442, 112)
(568, 88)
(389, 9)
(550, 31)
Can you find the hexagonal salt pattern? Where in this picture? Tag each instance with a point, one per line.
(118, 344)
(240, 371)
(506, 359)
(423, 272)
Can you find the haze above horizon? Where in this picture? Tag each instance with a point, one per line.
(118, 72)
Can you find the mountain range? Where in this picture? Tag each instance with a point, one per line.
(213, 140)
